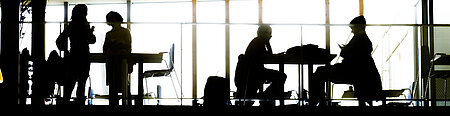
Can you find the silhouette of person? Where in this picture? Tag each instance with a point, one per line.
(117, 48)
(251, 73)
(24, 77)
(55, 69)
(80, 35)
(357, 68)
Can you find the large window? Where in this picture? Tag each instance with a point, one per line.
(156, 25)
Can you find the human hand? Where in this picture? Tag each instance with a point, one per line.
(92, 28)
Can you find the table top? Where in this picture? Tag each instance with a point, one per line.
(145, 57)
(298, 59)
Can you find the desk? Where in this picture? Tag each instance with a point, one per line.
(310, 60)
(442, 60)
(139, 58)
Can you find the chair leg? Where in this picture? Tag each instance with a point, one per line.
(178, 81)
(370, 102)
(361, 103)
(173, 85)
(146, 86)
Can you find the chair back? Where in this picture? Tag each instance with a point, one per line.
(172, 57)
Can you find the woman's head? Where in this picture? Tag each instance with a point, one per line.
(113, 18)
(79, 12)
(358, 24)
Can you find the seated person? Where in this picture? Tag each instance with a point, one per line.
(357, 68)
(250, 71)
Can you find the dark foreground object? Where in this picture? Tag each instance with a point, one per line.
(254, 109)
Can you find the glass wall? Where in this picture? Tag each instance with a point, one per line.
(441, 16)
(441, 43)
(155, 26)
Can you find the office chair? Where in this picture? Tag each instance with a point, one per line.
(165, 72)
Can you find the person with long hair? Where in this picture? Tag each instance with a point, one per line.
(80, 34)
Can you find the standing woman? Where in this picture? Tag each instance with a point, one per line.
(117, 48)
(80, 34)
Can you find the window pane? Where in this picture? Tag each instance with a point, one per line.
(393, 54)
(161, 12)
(211, 12)
(294, 11)
(186, 61)
(244, 11)
(210, 53)
(52, 31)
(441, 40)
(343, 11)
(156, 38)
(375, 11)
(441, 11)
(54, 13)
(25, 38)
(388, 11)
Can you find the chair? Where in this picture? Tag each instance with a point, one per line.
(242, 83)
(165, 72)
(351, 93)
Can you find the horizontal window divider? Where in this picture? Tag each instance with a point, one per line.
(299, 24)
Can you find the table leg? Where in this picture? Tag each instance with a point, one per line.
(124, 77)
(310, 72)
(281, 68)
(139, 100)
(300, 84)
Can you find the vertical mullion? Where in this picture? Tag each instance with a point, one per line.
(66, 14)
(361, 7)
(194, 49)
(260, 19)
(227, 39)
(327, 22)
(129, 14)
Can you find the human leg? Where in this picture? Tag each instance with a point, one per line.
(68, 88)
(80, 92)
(317, 83)
(277, 80)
